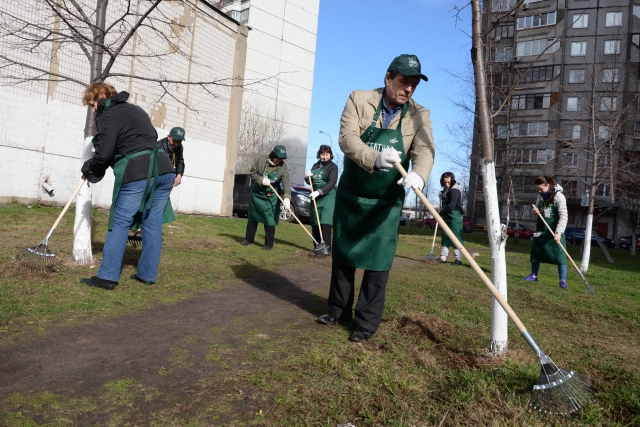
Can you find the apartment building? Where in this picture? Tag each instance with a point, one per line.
(571, 68)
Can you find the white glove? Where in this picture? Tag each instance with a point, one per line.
(314, 195)
(412, 180)
(266, 181)
(287, 204)
(387, 158)
(308, 173)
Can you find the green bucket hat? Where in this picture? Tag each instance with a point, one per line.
(407, 65)
(280, 151)
(177, 133)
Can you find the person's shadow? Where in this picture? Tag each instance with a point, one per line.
(276, 241)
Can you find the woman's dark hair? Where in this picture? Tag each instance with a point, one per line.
(324, 149)
(547, 180)
(448, 175)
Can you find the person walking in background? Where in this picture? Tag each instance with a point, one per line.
(264, 207)
(451, 211)
(144, 176)
(377, 129)
(324, 176)
(172, 145)
(545, 246)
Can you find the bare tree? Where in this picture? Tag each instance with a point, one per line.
(628, 187)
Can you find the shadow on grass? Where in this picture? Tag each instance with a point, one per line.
(131, 255)
(280, 287)
(276, 241)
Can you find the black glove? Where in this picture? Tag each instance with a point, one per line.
(91, 177)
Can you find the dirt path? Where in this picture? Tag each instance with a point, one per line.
(82, 359)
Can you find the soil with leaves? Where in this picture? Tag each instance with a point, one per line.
(227, 336)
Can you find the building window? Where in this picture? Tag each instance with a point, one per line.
(241, 16)
(570, 188)
(608, 103)
(614, 19)
(576, 131)
(574, 103)
(576, 76)
(531, 101)
(603, 190)
(503, 31)
(612, 47)
(499, 79)
(570, 160)
(581, 20)
(501, 132)
(530, 156)
(610, 75)
(579, 48)
(499, 157)
(530, 129)
(536, 47)
(636, 130)
(500, 5)
(535, 21)
(635, 38)
(603, 132)
(502, 54)
(537, 74)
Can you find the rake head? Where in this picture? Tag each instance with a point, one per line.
(135, 239)
(39, 258)
(431, 258)
(321, 249)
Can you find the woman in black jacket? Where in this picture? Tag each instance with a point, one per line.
(127, 142)
(324, 176)
(451, 211)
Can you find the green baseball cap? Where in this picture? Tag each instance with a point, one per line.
(177, 133)
(407, 65)
(280, 151)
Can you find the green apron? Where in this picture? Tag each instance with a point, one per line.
(325, 202)
(454, 220)
(369, 205)
(265, 206)
(544, 248)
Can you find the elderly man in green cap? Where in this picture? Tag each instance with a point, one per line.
(172, 145)
(377, 129)
(267, 173)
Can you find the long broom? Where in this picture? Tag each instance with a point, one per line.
(558, 392)
(40, 257)
(587, 286)
(321, 250)
(322, 243)
(432, 257)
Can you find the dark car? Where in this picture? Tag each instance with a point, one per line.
(300, 200)
(625, 242)
(467, 223)
(403, 220)
(576, 236)
(524, 232)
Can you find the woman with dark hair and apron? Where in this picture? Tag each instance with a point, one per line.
(451, 211)
(378, 128)
(266, 173)
(545, 247)
(324, 177)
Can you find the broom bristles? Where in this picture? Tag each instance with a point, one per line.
(559, 392)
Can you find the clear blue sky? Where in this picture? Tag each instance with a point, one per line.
(357, 39)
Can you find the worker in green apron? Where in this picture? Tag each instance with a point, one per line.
(324, 177)
(144, 176)
(451, 211)
(377, 129)
(267, 173)
(545, 246)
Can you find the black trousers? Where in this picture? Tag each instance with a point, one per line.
(370, 301)
(326, 233)
(269, 230)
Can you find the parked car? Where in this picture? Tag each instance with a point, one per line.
(403, 220)
(300, 200)
(576, 236)
(625, 242)
(467, 223)
(524, 232)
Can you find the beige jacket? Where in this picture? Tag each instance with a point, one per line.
(417, 134)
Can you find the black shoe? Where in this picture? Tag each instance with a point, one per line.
(361, 334)
(97, 282)
(245, 242)
(327, 319)
(267, 248)
(457, 262)
(144, 282)
(440, 261)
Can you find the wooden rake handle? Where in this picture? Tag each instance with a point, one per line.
(435, 233)
(317, 214)
(551, 231)
(293, 214)
(66, 207)
(494, 291)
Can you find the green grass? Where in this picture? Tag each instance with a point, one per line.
(426, 366)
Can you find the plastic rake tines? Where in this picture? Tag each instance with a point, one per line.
(559, 392)
(39, 258)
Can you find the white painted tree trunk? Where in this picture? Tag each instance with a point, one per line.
(499, 318)
(82, 225)
(586, 254)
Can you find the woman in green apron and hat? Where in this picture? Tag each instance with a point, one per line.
(267, 173)
(451, 211)
(545, 247)
(377, 129)
(324, 177)
(144, 176)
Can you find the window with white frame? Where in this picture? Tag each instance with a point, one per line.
(603, 190)
(530, 101)
(581, 20)
(578, 48)
(538, 20)
(501, 131)
(502, 54)
(608, 103)
(570, 188)
(636, 130)
(576, 76)
(500, 5)
(603, 132)
(613, 19)
(536, 47)
(503, 31)
(529, 156)
(576, 131)
(529, 129)
(499, 157)
(574, 103)
(603, 161)
(610, 75)
(570, 160)
(612, 47)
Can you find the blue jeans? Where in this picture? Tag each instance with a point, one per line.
(562, 270)
(127, 206)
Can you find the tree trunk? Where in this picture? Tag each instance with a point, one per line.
(499, 319)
